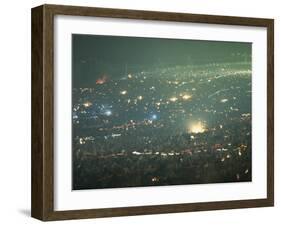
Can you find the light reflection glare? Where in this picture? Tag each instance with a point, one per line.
(197, 127)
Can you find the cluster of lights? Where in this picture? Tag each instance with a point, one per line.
(197, 127)
(183, 96)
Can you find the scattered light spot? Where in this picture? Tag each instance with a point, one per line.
(154, 117)
(173, 99)
(108, 113)
(87, 104)
(116, 135)
(155, 179)
(81, 141)
(186, 97)
(102, 80)
(237, 176)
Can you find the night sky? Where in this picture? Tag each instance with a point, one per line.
(94, 56)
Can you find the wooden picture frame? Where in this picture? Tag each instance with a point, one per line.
(42, 204)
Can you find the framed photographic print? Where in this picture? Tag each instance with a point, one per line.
(141, 112)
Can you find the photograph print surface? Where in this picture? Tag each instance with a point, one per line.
(155, 111)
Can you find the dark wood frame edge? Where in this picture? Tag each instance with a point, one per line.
(42, 195)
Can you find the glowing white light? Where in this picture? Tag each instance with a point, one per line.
(155, 179)
(140, 97)
(154, 116)
(173, 99)
(123, 92)
(224, 100)
(116, 135)
(87, 104)
(186, 97)
(108, 113)
(197, 127)
(81, 141)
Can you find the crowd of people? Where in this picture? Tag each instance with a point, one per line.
(172, 126)
(161, 159)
